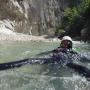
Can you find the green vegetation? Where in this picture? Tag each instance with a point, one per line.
(76, 18)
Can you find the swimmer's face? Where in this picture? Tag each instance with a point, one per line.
(65, 44)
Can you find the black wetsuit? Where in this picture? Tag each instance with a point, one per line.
(72, 60)
(61, 56)
(64, 56)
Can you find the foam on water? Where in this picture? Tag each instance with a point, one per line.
(25, 81)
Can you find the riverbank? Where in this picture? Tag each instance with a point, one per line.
(28, 38)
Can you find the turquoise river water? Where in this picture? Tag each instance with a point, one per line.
(39, 77)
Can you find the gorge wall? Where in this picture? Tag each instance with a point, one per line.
(34, 17)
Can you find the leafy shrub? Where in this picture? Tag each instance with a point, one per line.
(77, 18)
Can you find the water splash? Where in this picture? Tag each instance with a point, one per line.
(25, 81)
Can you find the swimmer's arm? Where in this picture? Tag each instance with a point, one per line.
(84, 59)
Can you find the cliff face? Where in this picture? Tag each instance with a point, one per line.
(36, 17)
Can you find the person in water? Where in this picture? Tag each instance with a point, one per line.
(65, 45)
(64, 53)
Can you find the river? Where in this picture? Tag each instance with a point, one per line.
(39, 77)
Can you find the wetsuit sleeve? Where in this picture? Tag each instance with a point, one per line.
(56, 50)
(84, 59)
